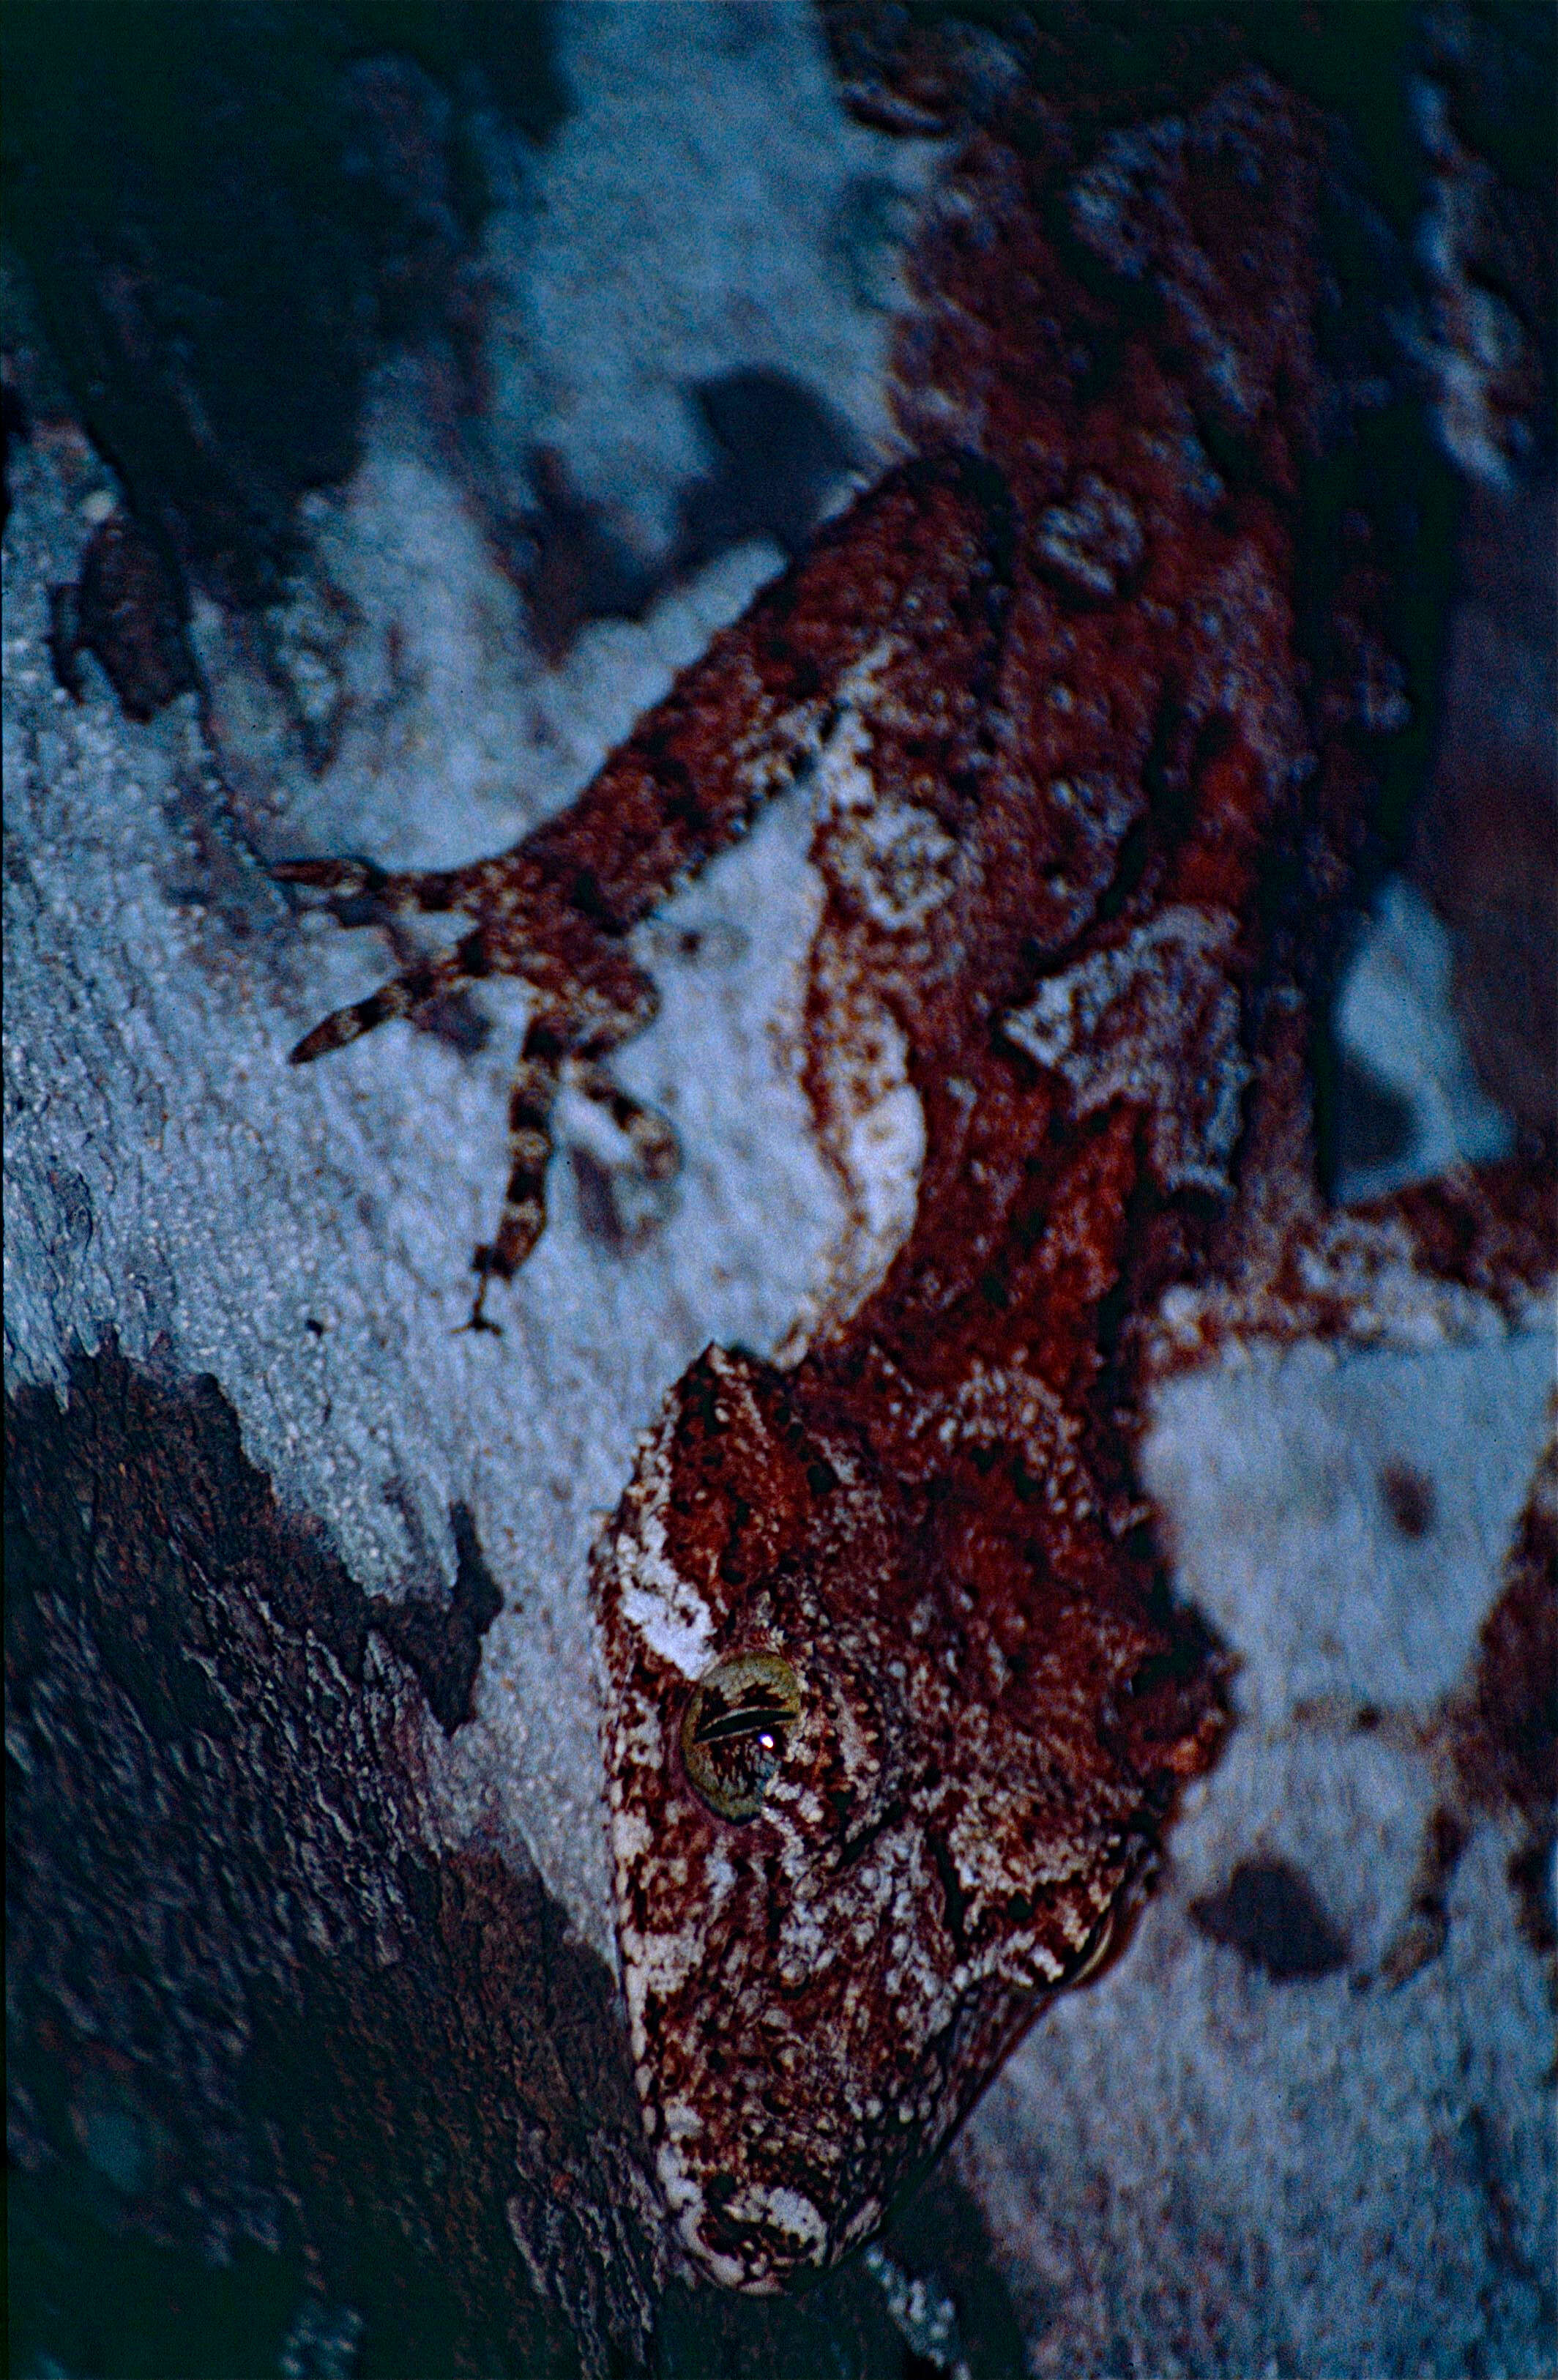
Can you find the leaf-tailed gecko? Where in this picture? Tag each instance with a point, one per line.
(896, 1697)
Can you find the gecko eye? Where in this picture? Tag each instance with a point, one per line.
(735, 1730)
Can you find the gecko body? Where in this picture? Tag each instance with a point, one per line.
(896, 1699)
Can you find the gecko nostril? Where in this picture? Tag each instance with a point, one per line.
(735, 1730)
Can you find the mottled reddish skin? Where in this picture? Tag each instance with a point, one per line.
(933, 1517)
(1481, 1242)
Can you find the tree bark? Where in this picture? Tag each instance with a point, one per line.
(311, 1962)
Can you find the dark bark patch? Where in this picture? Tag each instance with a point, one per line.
(444, 1646)
(225, 231)
(780, 448)
(128, 609)
(577, 568)
(1409, 1498)
(248, 2005)
(14, 431)
(1369, 1123)
(1268, 1912)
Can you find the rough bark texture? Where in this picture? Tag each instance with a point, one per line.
(289, 2015)
(310, 1951)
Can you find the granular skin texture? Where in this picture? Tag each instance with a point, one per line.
(1086, 800)
(1473, 1252)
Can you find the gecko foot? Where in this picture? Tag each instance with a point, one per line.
(425, 981)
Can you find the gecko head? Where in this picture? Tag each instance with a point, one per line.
(848, 1862)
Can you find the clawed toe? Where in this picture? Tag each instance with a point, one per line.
(651, 1142)
(419, 984)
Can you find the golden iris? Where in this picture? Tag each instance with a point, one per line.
(735, 1730)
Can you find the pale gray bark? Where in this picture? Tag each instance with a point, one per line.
(288, 1906)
